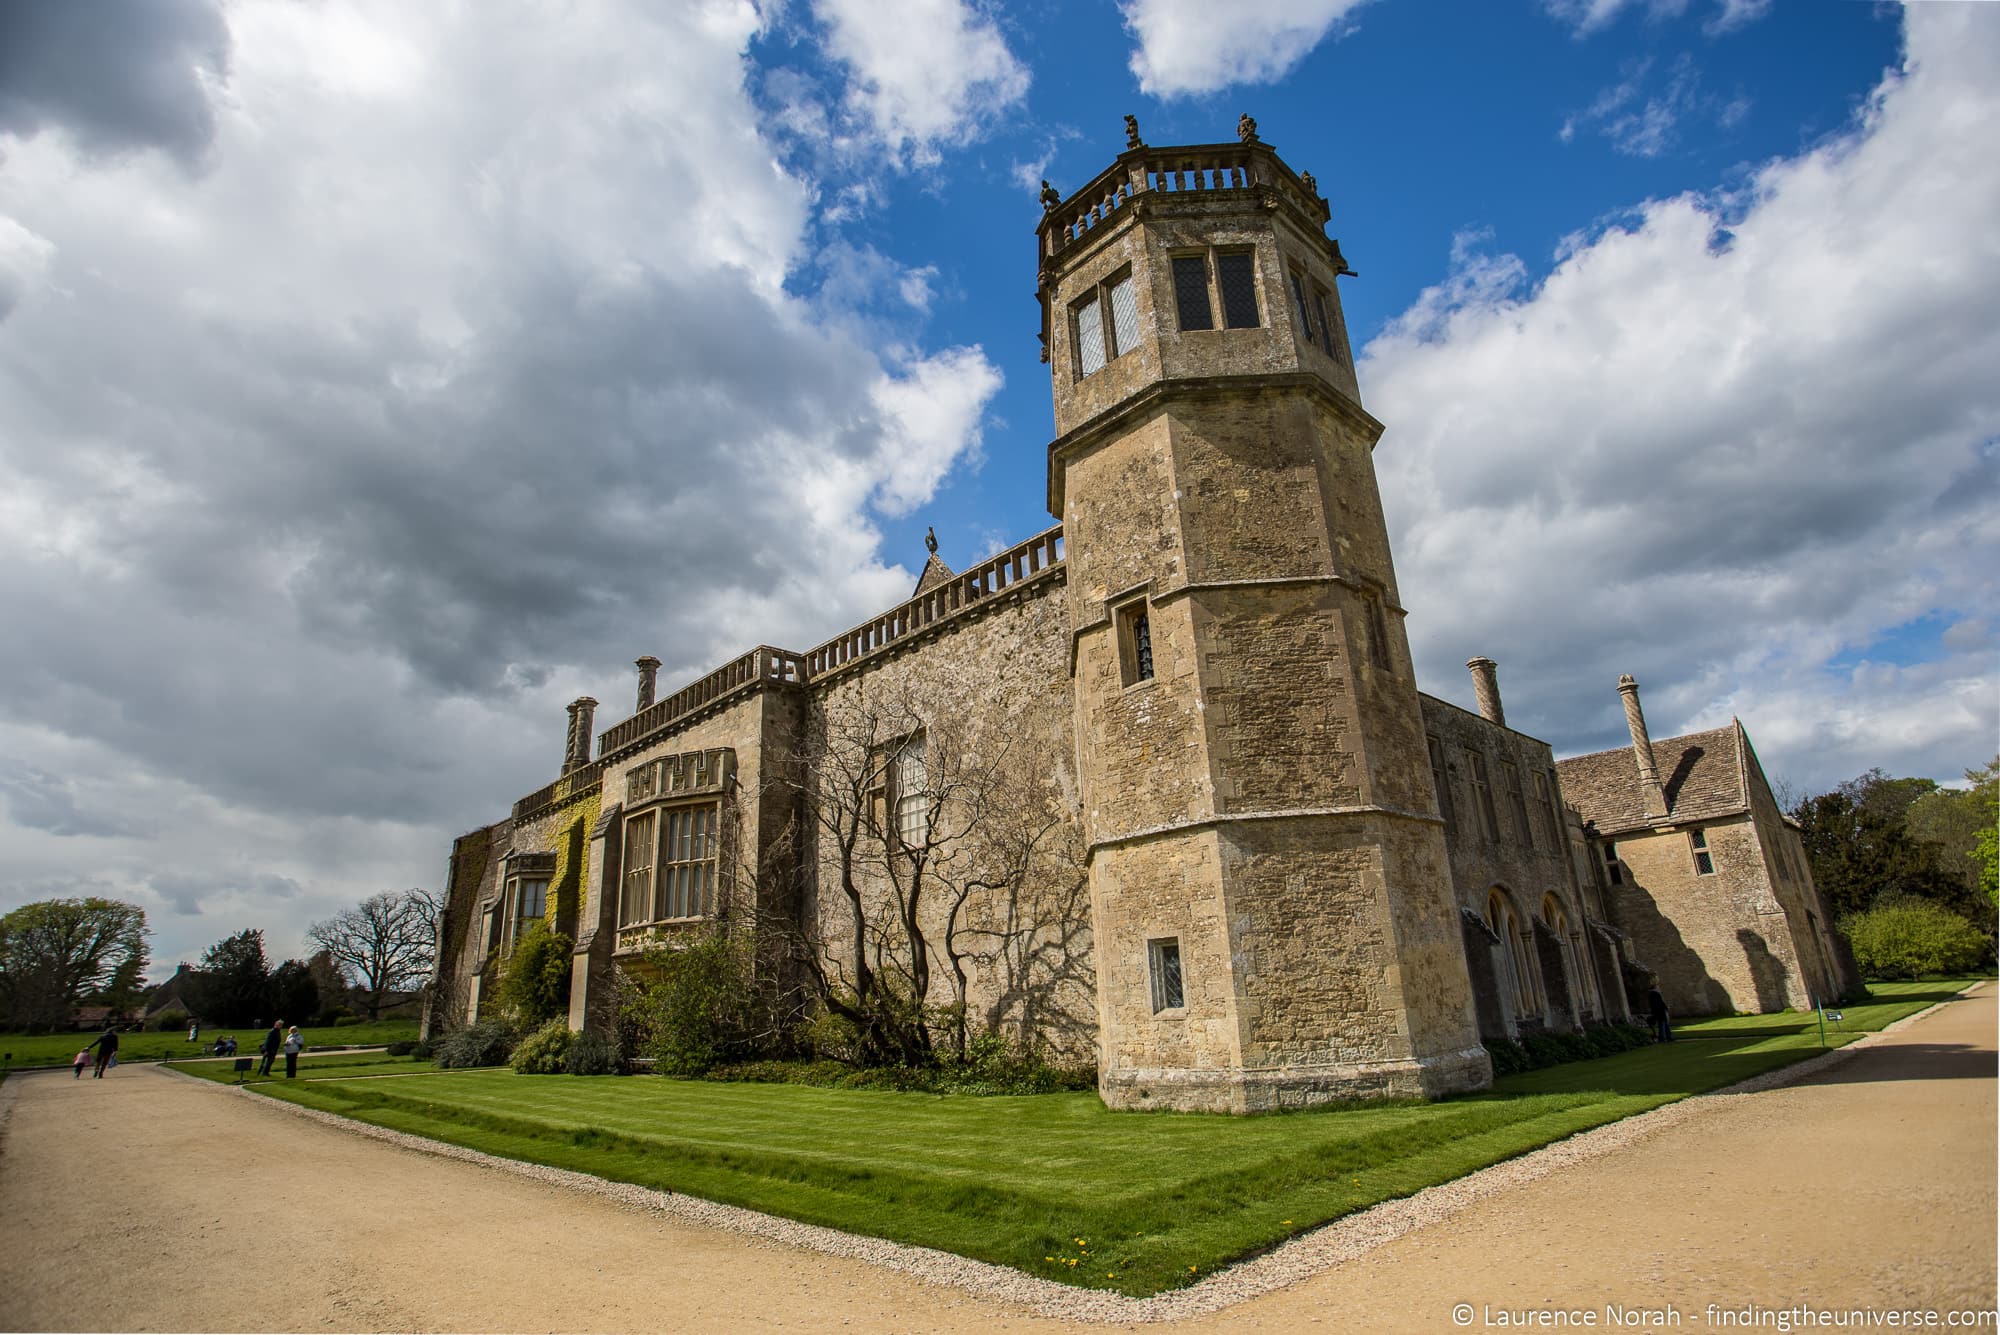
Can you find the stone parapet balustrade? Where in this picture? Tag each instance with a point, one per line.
(579, 782)
(760, 667)
(1195, 169)
(1030, 562)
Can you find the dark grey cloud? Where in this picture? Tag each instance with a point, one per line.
(191, 895)
(42, 801)
(116, 74)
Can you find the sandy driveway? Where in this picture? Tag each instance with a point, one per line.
(1872, 1184)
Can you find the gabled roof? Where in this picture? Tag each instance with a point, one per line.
(1702, 775)
(935, 573)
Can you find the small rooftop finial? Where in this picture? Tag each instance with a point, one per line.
(930, 540)
(1050, 195)
(1132, 139)
(1311, 183)
(1246, 128)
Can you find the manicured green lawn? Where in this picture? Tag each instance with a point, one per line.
(312, 1066)
(60, 1049)
(1887, 1003)
(1156, 1199)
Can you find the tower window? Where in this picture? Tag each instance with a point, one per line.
(1135, 642)
(1611, 868)
(1163, 959)
(1378, 630)
(1704, 863)
(1517, 801)
(1236, 276)
(1191, 292)
(1325, 324)
(1090, 336)
(913, 798)
(1107, 324)
(1305, 311)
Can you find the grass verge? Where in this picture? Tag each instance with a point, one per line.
(1052, 1184)
(60, 1049)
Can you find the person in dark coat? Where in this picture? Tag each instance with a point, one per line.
(106, 1044)
(274, 1038)
(1656, 1015)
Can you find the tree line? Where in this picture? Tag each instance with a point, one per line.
(1908, 868)
(59, 955)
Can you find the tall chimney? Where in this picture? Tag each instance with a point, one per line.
(649, 671)
(582, 711)
(1642, 750)
(1486, 688)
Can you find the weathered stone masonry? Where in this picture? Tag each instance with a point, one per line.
(1305, 881)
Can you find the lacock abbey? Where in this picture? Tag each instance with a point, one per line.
(1164, 767)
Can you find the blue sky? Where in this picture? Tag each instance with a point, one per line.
(376, 378)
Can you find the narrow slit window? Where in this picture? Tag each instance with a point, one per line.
(913, 798)
(1704, 863)
(1482, 791)
(1439, 781)
(1236, 275)
(1164, 960)
(1191, 292)
(1124, 317)
(1135, 643)
(1611, 868)
(1378, 631)
(1305, 312)
(1090, 336)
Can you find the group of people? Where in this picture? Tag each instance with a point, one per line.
(276, 1039)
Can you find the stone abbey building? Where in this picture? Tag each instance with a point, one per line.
(1265, 870)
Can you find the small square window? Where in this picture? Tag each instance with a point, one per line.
(1191, 292)
(1236, 276)
(1704, 864)
(1135, 642)
(1163, 958)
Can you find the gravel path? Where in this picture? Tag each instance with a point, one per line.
(1864, 1178)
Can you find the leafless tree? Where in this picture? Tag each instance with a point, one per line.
(387, 943)
(925, 855)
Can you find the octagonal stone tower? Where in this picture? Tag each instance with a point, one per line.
(1272, 908)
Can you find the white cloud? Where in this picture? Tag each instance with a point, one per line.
(1727, 444)
(464, 371)
(1588, 16)
(921, 72)
(1641, 119)
(1198, 46)
(1734, 14)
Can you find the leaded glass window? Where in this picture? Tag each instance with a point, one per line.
(1090, 336)
(913, 799)
(1164, 957)
(1305, 311)
(1236, 275)
(1124, 317)
(1191, 292)
(635, 900)
(687, 861)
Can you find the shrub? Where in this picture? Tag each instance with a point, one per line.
(424, 1049)
(487, 1043)
(1541, 1050)
(534, 988)
(591, 1054)
(1914, 938)
(401, 1048)
(345, 1020)
(692, 1004)
(542, 1052)
(168, 1021)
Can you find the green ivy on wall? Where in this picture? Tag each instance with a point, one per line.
(569, 840)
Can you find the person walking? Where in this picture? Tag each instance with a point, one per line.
(194, 1031)
(82, 1060)
(106, 1044)
(1656, 1014)
(294, 1043)
(274, 1038)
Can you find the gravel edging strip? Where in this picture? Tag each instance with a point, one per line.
(1300, 1258)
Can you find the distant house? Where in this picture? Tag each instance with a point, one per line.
(104, 1017)
(170, 995)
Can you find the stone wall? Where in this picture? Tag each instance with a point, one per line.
(1531, 864)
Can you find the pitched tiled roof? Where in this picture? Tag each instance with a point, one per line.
(1701, 773)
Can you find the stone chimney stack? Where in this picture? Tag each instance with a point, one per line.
(1486, 688)
(582, 711)
(649, 672)
(1642, 750)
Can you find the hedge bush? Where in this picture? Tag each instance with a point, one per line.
(542, 1052)
(692, 1005)
(488, 1043)
(1915, 939)
(1537, 1051)
(401, 1048)
(168, 1021)
(591, 1054)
